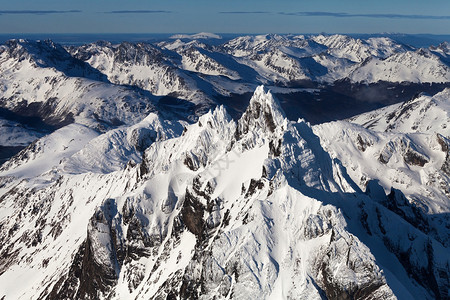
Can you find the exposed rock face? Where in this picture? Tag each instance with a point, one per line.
(410, 154)
(446, 166)
(373, 286)
(95, 267)
(192, 215)
(362, 144)
(443, 142)
(263, 114)
(445, 147)
(142, 138)
(414, 158)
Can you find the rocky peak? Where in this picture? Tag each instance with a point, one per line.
(264, 113)
(444, 47)
(47, 54)
(139, 53)
(218, 118)
(444, 142)
(37, 50)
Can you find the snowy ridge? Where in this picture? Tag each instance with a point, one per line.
(411, 163)
(102, 85)
(275, 58)
(45, 153)
(338, 57)
(77, 149)
(247, 45)
(138, 64)
(423, 113)
(358, 50)
(198, 60)
(60, 97)
(15, 134)
(419, 66)
(258, 208)
(200, 35)
(115, 149)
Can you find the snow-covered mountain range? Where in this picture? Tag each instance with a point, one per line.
(261, 207)
(147, 174)
(102, 85)
(91, 81)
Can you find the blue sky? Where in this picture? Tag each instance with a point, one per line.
(227, 16)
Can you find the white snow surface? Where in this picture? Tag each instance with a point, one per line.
(15, 134)
(200, 35)
(419, 66)
(187, 64)
(340, 139)
(48, 152)
(29, 80)
(423, 114)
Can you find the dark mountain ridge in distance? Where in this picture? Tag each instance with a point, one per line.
(415, 40)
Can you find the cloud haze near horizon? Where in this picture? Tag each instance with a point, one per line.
(348, 15)
(38, 12)
(234, 16)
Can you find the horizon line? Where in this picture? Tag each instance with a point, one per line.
(242, 33)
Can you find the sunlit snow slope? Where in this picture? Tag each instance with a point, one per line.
(262, 207)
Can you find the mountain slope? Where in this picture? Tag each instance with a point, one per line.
(102, 85)
(58, 95)
(420, 114)
(412, 66)
(262, 207)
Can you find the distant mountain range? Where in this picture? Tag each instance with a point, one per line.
(202, 75)
(415, 40)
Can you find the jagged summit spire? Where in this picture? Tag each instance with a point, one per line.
(263, 112)
(264, 97)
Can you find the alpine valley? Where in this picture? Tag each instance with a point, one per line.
(260, 167)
